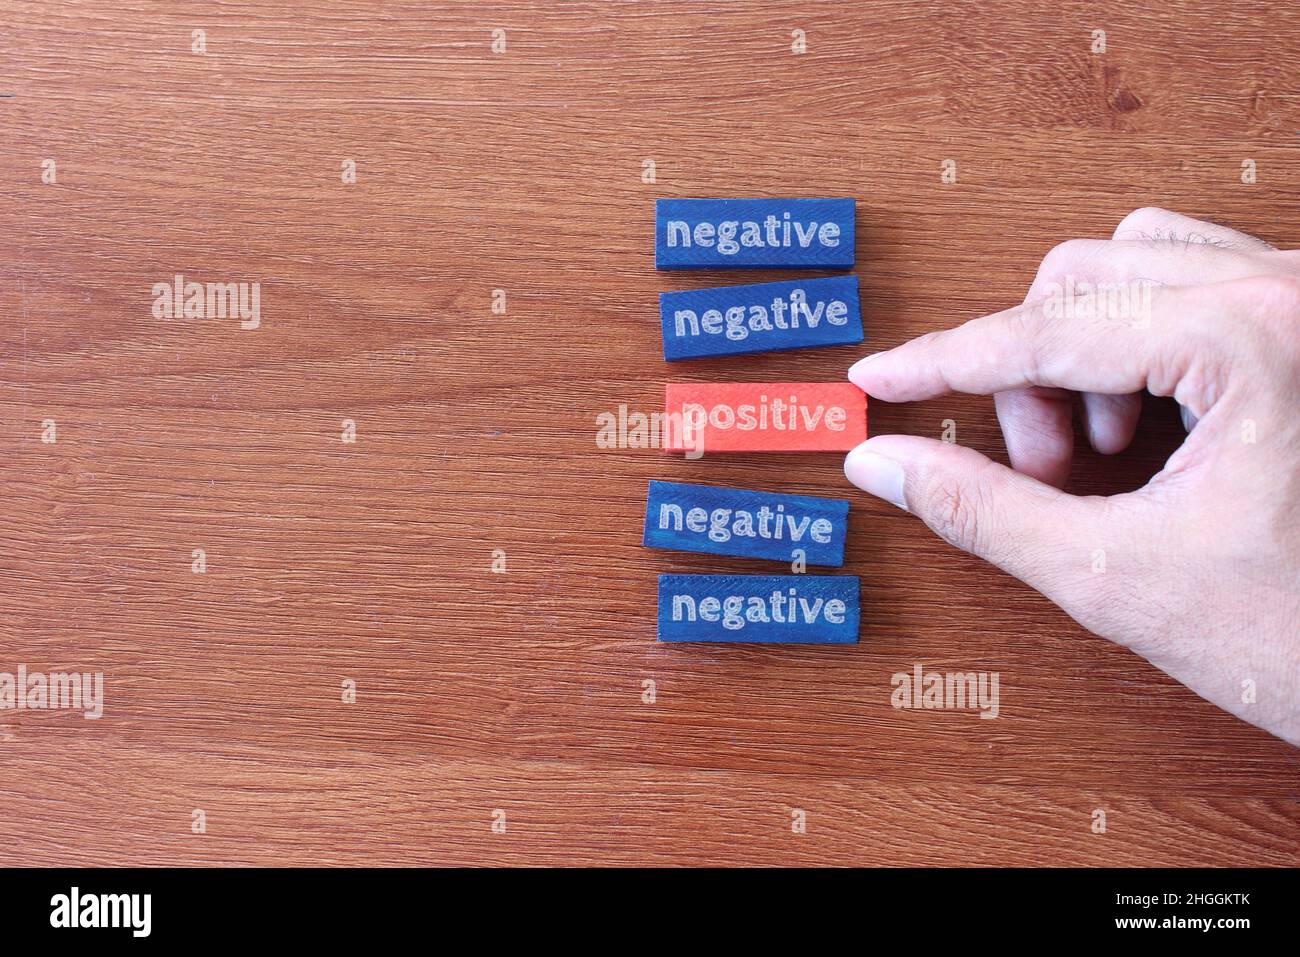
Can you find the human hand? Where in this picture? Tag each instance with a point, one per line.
(1202, 564)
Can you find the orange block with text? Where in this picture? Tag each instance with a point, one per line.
(764, 416)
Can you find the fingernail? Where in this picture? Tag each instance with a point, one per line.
(882, 477)
(856, 370)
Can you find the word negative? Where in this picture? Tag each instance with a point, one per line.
(716, 520)
(759, 609)
(754, 233)
(761, 317)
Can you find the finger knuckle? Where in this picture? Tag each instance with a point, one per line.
(1065, 258)
(1141, 220)
(1034, 330)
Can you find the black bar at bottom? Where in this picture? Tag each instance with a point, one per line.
(335, 906)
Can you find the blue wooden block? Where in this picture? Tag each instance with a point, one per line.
(759, 609)
(761, 317)
(737, 521)
(753, 233)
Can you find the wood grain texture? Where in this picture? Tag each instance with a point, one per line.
(371, 561)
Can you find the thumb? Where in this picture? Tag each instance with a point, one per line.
(1037, 533)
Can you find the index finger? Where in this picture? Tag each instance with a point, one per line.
(1085, 348)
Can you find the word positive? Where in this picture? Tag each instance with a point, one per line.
(767, 416)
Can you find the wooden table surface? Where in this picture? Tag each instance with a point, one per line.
(519, 697)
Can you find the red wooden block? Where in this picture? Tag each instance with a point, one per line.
(764, 416)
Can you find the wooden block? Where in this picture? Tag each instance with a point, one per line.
(759, 609)
(747, 523)
(764, 416)
(760, 317)
(753, 233)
